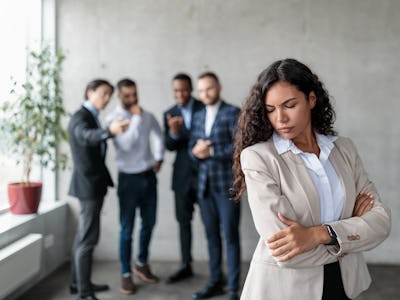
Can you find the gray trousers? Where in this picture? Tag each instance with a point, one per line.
(86, 239)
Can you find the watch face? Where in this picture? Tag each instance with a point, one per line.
(331, 232)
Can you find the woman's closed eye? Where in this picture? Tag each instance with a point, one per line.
(290, 105)
(269, 109)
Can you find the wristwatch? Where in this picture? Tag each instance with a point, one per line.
(332, 234)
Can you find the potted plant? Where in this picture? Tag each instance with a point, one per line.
(30, 125)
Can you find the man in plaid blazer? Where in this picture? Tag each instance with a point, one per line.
(211, 145)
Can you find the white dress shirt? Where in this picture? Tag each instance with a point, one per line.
(323, 174)
(211, 114)
(133, 151)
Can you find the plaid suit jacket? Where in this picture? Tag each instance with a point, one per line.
(217, 169)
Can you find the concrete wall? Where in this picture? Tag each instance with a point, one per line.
(352, 45)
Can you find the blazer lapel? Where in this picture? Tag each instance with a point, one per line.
(96, 124)
(217, 117)
(174, 112)
(202, 122)
(296, 166)
(340, 167)
(93, 120)
(197, 105)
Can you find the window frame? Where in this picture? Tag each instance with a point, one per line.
(40, 27)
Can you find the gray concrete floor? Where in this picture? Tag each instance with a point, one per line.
(386, 283)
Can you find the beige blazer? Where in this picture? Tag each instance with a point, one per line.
(281, 183)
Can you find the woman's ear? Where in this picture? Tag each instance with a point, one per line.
(312, 99)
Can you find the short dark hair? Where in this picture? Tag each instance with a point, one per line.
(94, 84)
(126, 82)
(209, 74)
(184, 77)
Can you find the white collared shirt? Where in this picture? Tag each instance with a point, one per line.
(133, 151)
(323, 174)
(211, 114)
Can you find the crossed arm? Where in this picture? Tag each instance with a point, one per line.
(293, 245)
(296, 238)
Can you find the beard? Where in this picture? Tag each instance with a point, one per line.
(212, 101)
(127, 105)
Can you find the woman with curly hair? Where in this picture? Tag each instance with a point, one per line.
(311, 200)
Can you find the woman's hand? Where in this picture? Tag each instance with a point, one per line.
(364, 203)
(295, 239)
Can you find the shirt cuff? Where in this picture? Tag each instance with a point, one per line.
(211, 151)
(106, 134)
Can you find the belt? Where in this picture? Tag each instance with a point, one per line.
(144, 173)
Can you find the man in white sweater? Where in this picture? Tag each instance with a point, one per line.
(137, 183)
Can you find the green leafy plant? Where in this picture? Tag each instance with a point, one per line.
(31, 125)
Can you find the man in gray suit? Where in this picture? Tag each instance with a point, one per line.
(90, 180)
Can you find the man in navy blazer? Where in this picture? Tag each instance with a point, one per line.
(177, 124)
(90, 181)
(211, 145)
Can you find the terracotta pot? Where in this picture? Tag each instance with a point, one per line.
(24, 198)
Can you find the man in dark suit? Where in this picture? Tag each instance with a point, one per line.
(90, 180)
(211, 145)
(177, 124)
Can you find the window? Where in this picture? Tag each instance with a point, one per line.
(20, 28)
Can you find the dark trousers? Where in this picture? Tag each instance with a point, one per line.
(217, 210)
(136, 191)
(333, 284)
(86, 239)
(184, 207)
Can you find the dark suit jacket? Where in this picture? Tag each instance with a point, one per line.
(185, 169)
(90, 177)
(217, 169)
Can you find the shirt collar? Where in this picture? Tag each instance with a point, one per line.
(87, 104)
(120, 110)
(282, 145)
(188, 106)
(213, 108)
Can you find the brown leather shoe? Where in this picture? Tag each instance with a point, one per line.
(127, 286)
(145, 274)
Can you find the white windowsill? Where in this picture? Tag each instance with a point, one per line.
(8, 220)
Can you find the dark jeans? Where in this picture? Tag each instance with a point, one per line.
(216, 210)
(86, 239)
(333, 284)
(136, 191)
(184, 206)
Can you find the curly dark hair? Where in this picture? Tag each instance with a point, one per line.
(253, 124)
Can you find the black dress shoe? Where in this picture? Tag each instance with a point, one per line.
(87, 298)
(210, 290)
(73, 288)
(181, 274)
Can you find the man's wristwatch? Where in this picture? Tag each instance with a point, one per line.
(332, 234)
